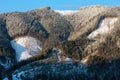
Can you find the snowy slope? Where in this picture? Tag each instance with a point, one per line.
(66, 12)
(25, 47)
(105, 26)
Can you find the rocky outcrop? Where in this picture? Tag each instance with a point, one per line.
(26, 25)
(56, 25)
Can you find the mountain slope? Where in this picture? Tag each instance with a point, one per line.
(81, 45)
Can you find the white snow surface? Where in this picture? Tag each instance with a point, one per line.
(66, 12)
(68, 59)
(105, 26)
(25, 47)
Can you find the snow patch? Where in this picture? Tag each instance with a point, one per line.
(25, 47)
(17, 76)
(84, 61)
(66, 12)
(7, 62)
(105, 26)
(68, 59)
(6, 78)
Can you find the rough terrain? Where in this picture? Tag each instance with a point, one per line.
(45, 44)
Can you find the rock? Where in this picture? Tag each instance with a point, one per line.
(57, 26)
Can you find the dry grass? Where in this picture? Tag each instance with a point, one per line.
(73, 49)
(22, 24)
(57, 26)
(87, 19)
(107, 49)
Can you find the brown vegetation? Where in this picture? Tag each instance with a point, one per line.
(94, 54)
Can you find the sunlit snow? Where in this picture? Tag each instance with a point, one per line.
(105, 26)
(25, 47)
(66, 12)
